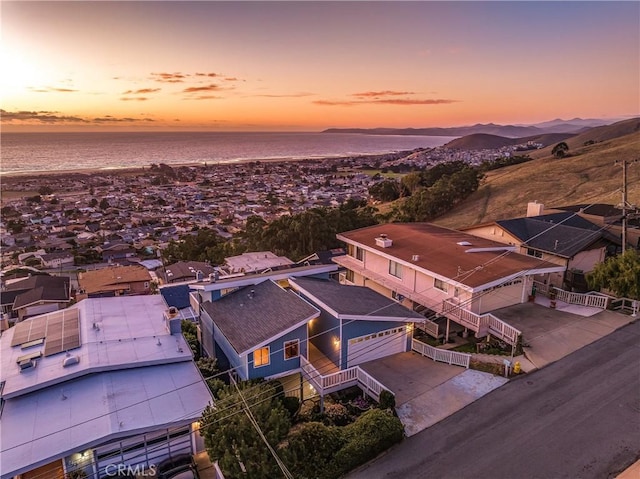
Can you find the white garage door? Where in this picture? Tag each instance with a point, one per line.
(376, 345)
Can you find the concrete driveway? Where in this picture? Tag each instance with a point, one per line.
(552, 334)
(428, 391)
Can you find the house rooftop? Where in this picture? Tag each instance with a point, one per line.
(556, 238)
(255, 261)
(114, 333)
(352, 301)
(253, 315)
(54, 422)
(471, 261)
(111, 278)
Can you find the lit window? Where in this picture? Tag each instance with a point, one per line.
(261, 357)
(292, 349)
(439, 284)
(395, 269)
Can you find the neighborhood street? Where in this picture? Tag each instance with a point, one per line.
(577, 418)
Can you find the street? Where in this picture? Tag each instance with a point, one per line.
(578, 418)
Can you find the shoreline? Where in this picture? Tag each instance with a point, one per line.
(25, 175)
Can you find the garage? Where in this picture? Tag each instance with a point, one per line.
(376, 345)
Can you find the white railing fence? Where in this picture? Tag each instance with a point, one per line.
(625, 306)
(592, 299)
(481, 324)
(342, 379)
(428, 327)
(441, 355)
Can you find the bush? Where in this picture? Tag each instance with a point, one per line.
(291, 404)
(372, 433)
(387, 400)
(311, 449)
(336, 415)
(309, 411)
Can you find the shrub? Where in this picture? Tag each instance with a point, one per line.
(373, 432)
(387, 400)
(311, 449)
(309, 411)
(336, 414)
(291, 404)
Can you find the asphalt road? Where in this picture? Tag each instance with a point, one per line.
(578, 418)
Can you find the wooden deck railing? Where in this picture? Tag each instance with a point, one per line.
(428, 327)
(591, 299)
(481, 324)
(345, 378)
(625, 306)
(441, 355)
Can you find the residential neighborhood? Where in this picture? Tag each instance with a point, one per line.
(91, 310)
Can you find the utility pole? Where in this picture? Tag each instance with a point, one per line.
(625, 203)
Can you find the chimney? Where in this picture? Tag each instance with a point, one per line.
(383, 241)
(534, 209)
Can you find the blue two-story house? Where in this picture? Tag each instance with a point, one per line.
(259, 331)
(311, 334)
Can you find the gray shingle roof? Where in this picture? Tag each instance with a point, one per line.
(558, 239)
(248, 319)
(353, 300)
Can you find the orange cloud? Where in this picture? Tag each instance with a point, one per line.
(196, 89)
(142, 91)
(368, 94)
(50, 89)
(135, 98)
(385, 101)
(169, 77)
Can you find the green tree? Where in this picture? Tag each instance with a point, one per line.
(411, 181)
(45, 190)
(205, 245)
(104, 204)
(619, 274)
(560, 150)
(311, 449)
(232, 440)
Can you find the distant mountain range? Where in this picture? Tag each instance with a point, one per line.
(574, 126)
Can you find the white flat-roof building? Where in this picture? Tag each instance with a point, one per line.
(108, 381)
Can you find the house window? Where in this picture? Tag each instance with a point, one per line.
(261, 357)
(349, 275)
(395, 269)
(534, 253)
(439, 284)
(292, 349)
(359, 254)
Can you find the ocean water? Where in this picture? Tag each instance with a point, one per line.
(42, 152)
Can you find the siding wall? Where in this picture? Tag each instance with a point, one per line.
(234, 360)
(322, 332)
(277, 363)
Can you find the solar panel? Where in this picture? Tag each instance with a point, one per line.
(60, 332)
(29, 330)
(63, 333)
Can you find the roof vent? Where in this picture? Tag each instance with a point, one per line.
(463, 243)
(415, 257)
(383, 241)
(70, 361)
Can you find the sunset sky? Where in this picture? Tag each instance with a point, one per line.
(306, 66)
